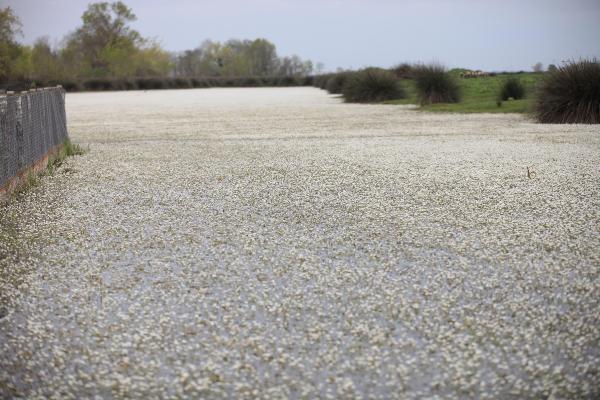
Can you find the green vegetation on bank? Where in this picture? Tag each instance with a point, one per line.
(566, 94)
(492, 93)
(480, 94)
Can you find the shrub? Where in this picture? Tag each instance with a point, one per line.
(150, 83)
(316, 80)
(212, 82)
(512, 88)
(181, 83)
(372, 85)
(251, 81)
(71, 86)
(271, 81)
(403, 71)
(335, 83)
(323, 79)
(319, 81)
(308, 80)
(98, 84)
(128, 84)
(165, 83)
(435, 85)
(570, 94)
(19, 86)
(199, 83)
(37, 84)
(287, 81)
(114, 84)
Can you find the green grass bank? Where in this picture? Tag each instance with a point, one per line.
(479, 95)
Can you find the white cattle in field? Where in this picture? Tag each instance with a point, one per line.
(474, 74)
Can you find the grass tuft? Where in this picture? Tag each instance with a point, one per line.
(372, 85)
(68, 149)
(435, 85)
(570, 94)
(512, 88)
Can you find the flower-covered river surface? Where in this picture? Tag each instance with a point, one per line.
(278, 243)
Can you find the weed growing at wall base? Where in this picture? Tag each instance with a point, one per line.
(65, 150)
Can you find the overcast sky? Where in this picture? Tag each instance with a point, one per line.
(478, 34)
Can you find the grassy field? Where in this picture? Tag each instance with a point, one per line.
(479, 95)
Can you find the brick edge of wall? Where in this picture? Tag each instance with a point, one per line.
(21, 177)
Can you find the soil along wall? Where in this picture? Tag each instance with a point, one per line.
(33, 125)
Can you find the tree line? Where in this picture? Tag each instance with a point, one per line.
(106, 47)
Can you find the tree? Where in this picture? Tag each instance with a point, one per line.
(105, 38)
(319, 68)
(45, 63)
(263, 56)
(294, 66)
(238, 58)
(105, 46)
(538, 67)
(188, 63)
(10, 51)
(10, 25)
(151, 60)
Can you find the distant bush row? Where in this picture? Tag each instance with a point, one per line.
(364, 86)
(567, 94)
(165, 83)
(433, 83)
